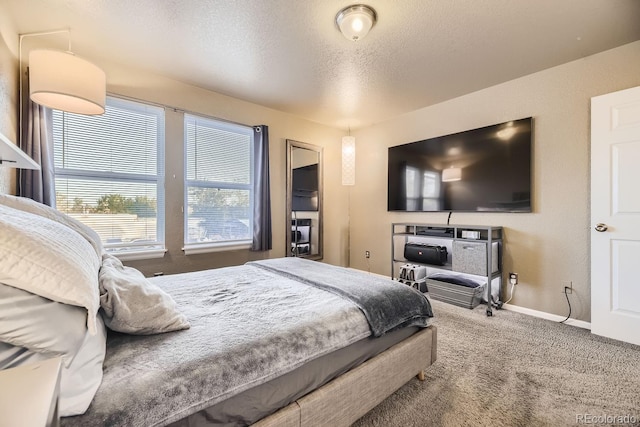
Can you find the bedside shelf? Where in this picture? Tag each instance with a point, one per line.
(29, 394)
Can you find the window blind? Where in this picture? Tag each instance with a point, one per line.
(109, 172)
(218, 182)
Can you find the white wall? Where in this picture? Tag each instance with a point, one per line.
(545, 247)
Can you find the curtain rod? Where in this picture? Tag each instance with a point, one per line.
(175, 109)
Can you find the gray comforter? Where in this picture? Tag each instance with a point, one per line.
(248, 326)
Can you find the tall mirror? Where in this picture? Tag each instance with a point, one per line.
(304, 200)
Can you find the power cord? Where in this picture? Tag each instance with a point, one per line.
(513, 285)
(568, 302)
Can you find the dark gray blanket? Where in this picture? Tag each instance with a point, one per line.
(387, 305)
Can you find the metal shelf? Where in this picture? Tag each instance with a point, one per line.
(487, 235)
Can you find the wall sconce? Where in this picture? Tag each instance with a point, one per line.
(348, 160)
(13, 157)
(62, 81)
(451, 174)
(355, 21)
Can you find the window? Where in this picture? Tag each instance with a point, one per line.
(430, 191)
(427, 185)
(110, 174)
(218, 184)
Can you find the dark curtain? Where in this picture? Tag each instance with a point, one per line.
(262, 194)
(37, 142)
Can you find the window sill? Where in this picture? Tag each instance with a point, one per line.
(203, 248)
(138, 255)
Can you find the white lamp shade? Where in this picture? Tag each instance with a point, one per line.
(451, 174)
(62, 81)
(348, 160)
(356, 21)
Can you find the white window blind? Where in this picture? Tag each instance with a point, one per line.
(109, 173)
(425, 183)
(218, 183)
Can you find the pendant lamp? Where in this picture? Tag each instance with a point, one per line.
(348, 160)
(63, 81)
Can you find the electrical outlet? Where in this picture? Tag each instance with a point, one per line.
(367, 254)
(513, 278)
(567, 284)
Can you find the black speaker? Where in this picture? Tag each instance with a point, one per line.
(425, 254)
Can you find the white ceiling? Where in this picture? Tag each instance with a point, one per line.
(289, 55)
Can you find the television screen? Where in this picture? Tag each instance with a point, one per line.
(305, 188)
(485, 169)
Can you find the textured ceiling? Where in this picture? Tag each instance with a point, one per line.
(289, 55)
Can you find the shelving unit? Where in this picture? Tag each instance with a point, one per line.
(477, 254)
(301, 236)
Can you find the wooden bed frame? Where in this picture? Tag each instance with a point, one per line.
(345, 399)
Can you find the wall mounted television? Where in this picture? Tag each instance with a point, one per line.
(304, 187)
(480, 170)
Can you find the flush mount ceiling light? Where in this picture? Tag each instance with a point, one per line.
(356, 21)
(507, 132)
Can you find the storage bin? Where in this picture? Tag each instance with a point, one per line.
(459, 295)
(471, 257)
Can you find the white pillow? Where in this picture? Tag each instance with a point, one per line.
(41, 325)
(133, 305)
(31, 206)
(49, 259)
(80, 381)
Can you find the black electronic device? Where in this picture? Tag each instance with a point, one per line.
(434, 231)
(485, 169)
(425, 253)
(304, 188)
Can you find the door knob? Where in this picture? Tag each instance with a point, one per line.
(600, 227)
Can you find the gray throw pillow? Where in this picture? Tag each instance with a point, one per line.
(131, 304)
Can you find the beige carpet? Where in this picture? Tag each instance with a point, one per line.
(516, 370)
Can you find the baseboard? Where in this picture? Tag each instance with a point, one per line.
(535, 313)
(548, 316)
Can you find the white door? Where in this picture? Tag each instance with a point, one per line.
(615, 215)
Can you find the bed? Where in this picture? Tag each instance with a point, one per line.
(280, 342)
